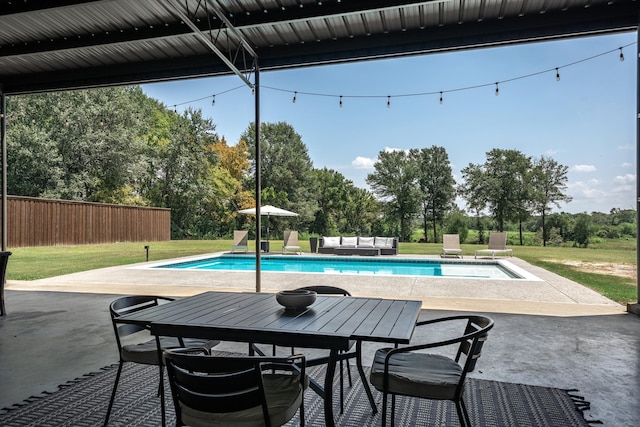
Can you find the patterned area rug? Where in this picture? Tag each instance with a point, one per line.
(84, 401)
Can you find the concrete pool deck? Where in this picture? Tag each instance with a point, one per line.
(545, 293)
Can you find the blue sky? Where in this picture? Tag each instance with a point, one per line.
(585, 121)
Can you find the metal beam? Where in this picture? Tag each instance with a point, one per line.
(175, 10)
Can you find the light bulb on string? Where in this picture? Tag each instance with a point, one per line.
(621, 55)
(440, 97)
(497, 89)
(213, 101)
(557, 75)
(295, 95)
(340, 101)
(388, 101)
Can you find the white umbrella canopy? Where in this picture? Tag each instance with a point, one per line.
(268, 210)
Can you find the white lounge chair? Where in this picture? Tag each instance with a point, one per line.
(291, 242)
(240, 241)
(497, 245)
(451, 245)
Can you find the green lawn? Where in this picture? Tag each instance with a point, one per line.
(42, 262)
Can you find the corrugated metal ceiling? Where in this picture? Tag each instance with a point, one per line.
(60, 44)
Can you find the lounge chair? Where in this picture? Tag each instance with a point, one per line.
(240, 240)
(291, 242)
(497, 245)
(451, 245)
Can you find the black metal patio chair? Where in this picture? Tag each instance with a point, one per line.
(408, 371)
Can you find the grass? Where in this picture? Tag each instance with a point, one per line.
(42, 262)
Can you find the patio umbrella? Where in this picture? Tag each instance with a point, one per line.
(268, 210)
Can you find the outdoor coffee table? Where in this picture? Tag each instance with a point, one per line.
(256, 318)
(357, 251)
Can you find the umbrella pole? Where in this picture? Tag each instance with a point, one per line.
(258, 166)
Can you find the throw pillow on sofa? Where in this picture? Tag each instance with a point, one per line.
(331, 242)
(349, 242)
(365, 242)
(383, 242)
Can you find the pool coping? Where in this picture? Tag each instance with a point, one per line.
(505, 264)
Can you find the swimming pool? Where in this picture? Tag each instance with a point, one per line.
(350, 265)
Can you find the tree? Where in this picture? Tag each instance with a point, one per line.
(361, 211)
(549, 184)
(436, 184)
(285, 166)
(457, 224)
(77, 145)
(227, 176)
(473, 192)
(181, 159)
(582, 230)
(501, 184)
(331, 197)
(394, 183)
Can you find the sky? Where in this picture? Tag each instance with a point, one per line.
(585, 121)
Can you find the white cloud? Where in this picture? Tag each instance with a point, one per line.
(625, 179)
(363, 162)
(583, 168)
(626, 147)
(626, 165)
(586, 190)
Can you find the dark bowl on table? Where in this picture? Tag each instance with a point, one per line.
(296, 299)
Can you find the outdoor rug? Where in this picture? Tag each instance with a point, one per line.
(84, 401)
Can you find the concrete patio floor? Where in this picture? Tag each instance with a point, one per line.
(549, 331)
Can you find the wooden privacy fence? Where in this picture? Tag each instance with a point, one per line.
(45, 222)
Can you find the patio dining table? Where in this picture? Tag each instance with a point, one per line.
(257, 318)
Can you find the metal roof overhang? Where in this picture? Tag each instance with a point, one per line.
(62, 44)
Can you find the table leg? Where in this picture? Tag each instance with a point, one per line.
(328, 388)
(363, 378)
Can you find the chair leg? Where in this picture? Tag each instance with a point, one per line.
(113, 394)
(161, 389)
(465, 421)
(341, 389)
(393, 410)
(384, 408)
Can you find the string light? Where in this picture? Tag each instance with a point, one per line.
(441, 99)
(213, 101)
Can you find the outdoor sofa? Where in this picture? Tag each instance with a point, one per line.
(358, 245)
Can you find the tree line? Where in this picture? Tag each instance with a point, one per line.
(117, 145)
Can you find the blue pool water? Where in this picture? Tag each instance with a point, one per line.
(351, 265)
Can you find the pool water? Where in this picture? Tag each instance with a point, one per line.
(351, 265)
